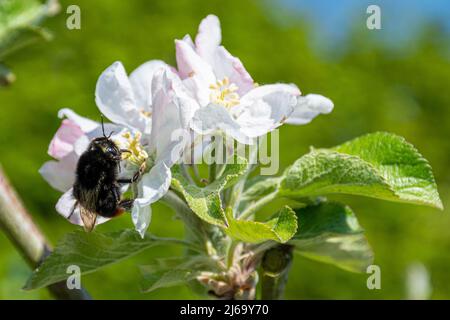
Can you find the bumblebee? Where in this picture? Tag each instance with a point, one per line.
(97, 188)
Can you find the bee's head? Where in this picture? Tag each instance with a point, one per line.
(105, 146)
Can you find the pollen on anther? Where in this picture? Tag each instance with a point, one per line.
(223, 92)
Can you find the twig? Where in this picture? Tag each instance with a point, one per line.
(27, 238)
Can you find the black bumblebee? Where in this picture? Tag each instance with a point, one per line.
(97, 186)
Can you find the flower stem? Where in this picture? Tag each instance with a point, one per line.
(27, 238)
(186, 174)
(275, 266)
(212, 172)
(251, 209)
(193, 224)
(238, 188)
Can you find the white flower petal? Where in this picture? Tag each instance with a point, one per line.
(141, 82)
(65, 206)
(154, 184)
(81, 145)
(60, 174)
(216, 119)
(265, 108)
(115, 98)
(141, 216)
(173, 110)
(226, 65)
(308, 107)
(151, 188)
(208, 37)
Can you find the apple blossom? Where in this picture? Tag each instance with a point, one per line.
(125, 101)
(228, 98)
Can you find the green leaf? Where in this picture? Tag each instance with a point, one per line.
(206, 202)
(257, 188)
(378, 165)
(164, 279)
(329, 232)
(90, 252)
(168, 272)
(280, 228)
(19, 22)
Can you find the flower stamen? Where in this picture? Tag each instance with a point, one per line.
(137, 154)
(224, 93)
(145, 113)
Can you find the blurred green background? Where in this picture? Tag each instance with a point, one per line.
(374, 86)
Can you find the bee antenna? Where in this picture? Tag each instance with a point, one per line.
(103, 126)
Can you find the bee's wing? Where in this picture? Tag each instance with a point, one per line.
(87, 204)
(89, 218)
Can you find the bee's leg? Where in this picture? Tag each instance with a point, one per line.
(135, 177)
(124, 205)
(125, 181)
(125, 151)
(139, 173)
(73, 210)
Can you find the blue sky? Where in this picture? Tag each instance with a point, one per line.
(401, 19)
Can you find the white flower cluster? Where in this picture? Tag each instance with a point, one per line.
(209, 92)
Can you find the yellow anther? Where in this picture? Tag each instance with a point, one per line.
(224, 93)
(145, 113)
(136, 155)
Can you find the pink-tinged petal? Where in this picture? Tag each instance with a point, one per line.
(265, 108)
(85, 124)
(60, 174)
(196, 72)
(208, 37)
(308, 107)
(226, 65)
(173, 111)
(190, 63)
(115, 98)
(63, 142)
(187, 38)
(66, 207)
(167, 122)
(90, 128)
